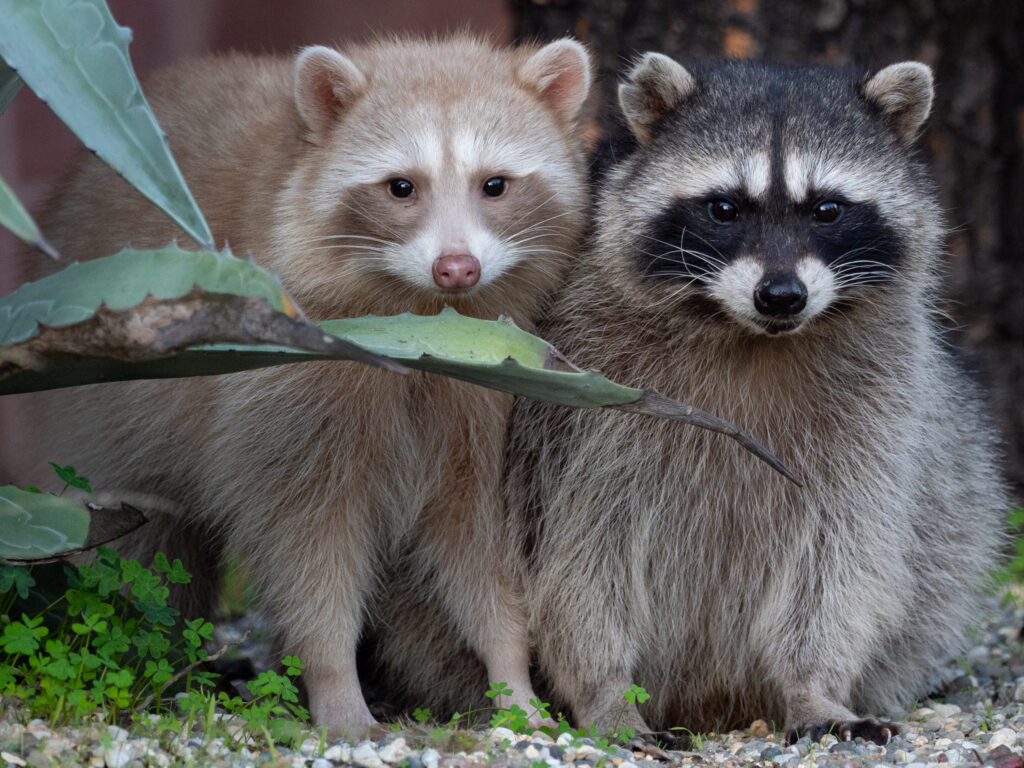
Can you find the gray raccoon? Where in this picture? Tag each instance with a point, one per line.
(768, 250)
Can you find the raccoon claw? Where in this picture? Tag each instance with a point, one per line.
(869, 729)
(653, 745)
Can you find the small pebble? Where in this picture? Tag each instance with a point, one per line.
(395, 751)
(850, 747)
(1006, 737)
(759, 729)
(946, 710)
(499, 735)
(366, 756)
(338, 753)
(120, 753)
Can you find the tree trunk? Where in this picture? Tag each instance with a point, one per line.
(975, 136)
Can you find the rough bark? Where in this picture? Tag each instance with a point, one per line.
(975, 136)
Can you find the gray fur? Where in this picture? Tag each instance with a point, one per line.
(663, 555)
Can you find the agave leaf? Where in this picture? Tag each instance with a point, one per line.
(494, 354)
(137, 305)
(75, 57)
(10, 84)
(39, 525)
(14, 216)
(40, 528)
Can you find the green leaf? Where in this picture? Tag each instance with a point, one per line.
(69, 476)
(124, 280)
(160, 671)
(285, 730)
(37, 525)
(75, 57)
(14, 216)
(421, 715)
(494, 354)
(157, 612)
(17, 577)
(10, 84)
(91, 321)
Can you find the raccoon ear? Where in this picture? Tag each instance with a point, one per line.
(903, 92)
(655, 86)
(326, 82)
(561, 72)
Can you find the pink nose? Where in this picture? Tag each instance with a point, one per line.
(456, 271)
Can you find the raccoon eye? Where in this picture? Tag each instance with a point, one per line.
(495, 186)
(827, 212)
(723, 211)
(401, 188)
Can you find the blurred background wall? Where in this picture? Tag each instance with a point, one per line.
(975, 137)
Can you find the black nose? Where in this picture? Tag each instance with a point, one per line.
(780, 296)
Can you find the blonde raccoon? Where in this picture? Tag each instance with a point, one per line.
(767, 248)
(397, 176)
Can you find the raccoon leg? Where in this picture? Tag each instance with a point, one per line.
(814, 714)
(588, 662)
(822, 654)
(460, 550)
(316, 571)
(466, 548)
(585, 636)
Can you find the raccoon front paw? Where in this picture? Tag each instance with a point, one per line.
(869, 729)
(654, 744)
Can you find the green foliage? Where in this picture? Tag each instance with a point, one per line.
(274, 708)
(109, 647)
(10, 84)
(1013, 570)
(71, 478)
(518, 720)
(36, 525)
(78, 63)
(14, 216)
(636, 694)
(124, 280)
(106, 652)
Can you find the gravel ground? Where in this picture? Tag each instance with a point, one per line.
(976, 717)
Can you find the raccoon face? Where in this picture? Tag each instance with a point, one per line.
(428, 181)
(777, 194)
(773, 264)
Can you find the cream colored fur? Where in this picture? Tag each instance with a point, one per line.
(319, 475)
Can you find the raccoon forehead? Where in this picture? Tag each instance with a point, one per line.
(805, 174)
(436, 155)
(793, 174)
(701, 176)
(437, 151)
